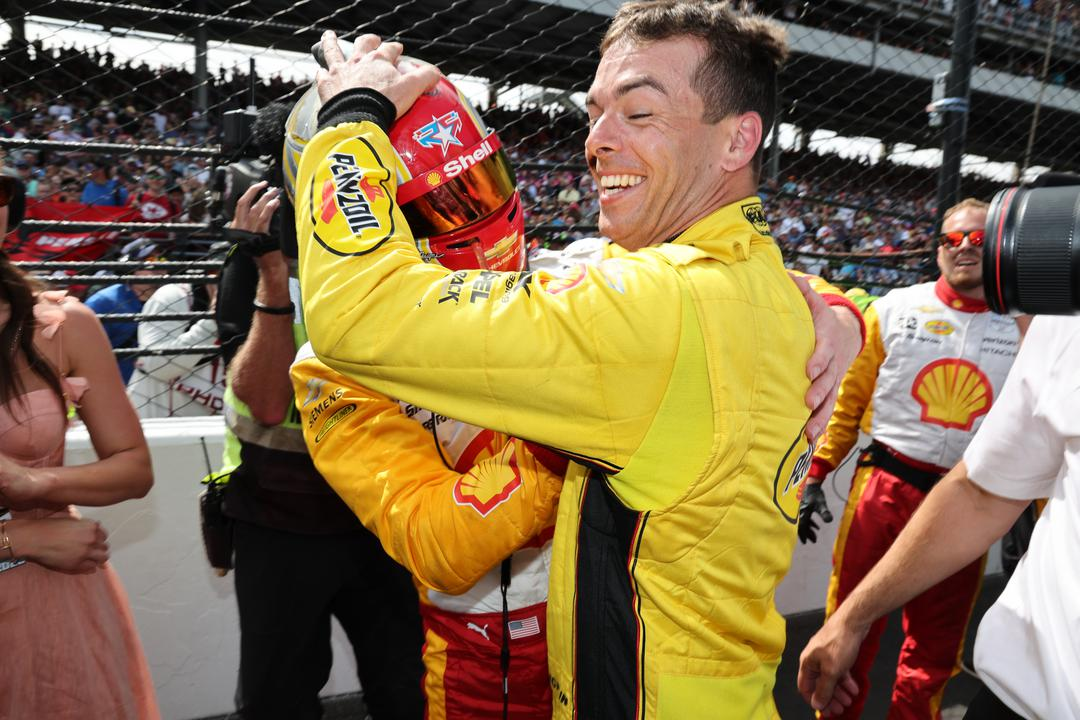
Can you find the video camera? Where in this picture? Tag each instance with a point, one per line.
(1031, 257)
(241, 167)
(252, 147)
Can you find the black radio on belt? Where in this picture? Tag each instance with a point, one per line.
(217, 528)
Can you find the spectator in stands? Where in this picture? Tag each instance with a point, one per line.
(103, 189)
(46, 188)
(68, 193)
(792, 222)
(153, 202)
(70, 645)
(28, 177)
(178, 199)
(126, 298)
(569, 195)
(198, 125)
(188, 384)
(61, 110)
(65, 130)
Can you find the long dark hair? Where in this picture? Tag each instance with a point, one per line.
(17, 334)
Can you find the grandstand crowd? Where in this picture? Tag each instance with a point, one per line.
(821, 205)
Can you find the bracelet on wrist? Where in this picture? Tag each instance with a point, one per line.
(5, 541)
(274, 310)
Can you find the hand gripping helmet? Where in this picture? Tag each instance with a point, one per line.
(455, 184)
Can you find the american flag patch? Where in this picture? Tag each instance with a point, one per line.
(523, 628)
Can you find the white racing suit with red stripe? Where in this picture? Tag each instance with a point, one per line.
(932, 365)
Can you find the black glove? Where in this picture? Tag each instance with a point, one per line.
(813, 501)
(254, 244)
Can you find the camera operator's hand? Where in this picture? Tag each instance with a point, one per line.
(253, 215)
(251, 221)
(813, 501)
(373, 65)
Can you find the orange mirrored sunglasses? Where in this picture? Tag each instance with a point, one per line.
(956, 239)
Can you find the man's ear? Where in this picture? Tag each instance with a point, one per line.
(743, 135)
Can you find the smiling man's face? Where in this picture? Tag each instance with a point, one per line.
(653, 157)
(962, 267)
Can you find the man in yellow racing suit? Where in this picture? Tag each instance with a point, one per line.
(469, 511)
(674, 374)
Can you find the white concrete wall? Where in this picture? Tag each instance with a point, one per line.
(185, 614)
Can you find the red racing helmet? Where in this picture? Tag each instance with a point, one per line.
(456, 187)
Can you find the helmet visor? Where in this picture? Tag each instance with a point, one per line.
(495, 243)
(464, 190)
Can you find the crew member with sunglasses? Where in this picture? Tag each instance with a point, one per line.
(934, 361)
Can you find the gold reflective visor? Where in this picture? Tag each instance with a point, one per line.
(471, 194)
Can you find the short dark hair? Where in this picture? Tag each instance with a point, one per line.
(743, 52)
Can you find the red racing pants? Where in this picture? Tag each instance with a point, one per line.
(464, 676)
(935, 623)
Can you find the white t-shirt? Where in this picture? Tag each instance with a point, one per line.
(176, 385)
(1028, 647)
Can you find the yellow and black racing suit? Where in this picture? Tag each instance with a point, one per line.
(674, 375)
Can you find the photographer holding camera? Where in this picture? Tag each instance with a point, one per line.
(300, 555)
(1027, 651)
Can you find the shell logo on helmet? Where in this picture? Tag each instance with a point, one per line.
(455, 167)
(952, 393)
(455, 186)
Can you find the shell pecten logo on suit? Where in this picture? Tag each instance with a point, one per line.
(485, 487)
(952, 393)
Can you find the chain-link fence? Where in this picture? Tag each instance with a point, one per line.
(112, 112)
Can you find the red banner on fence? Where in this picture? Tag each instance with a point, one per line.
(27, 244)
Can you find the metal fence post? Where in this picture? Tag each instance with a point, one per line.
(957, 88)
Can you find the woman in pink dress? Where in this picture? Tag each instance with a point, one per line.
(69, 645)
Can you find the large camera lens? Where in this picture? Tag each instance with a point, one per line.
(1031, 257)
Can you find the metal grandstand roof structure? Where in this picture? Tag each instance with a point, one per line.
(534, 42)
(853, 81)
